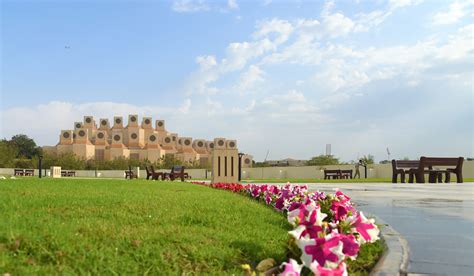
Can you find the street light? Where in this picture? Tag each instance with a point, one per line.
(240, 165)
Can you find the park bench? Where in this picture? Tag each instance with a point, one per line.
(151, 173)
(18, 172)
(176, 172)
(427, 164)
(347, 174)
(65, 173)
(403, 167)
(334, 174)
(29, 172)
(130, 174)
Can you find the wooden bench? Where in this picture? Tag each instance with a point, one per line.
(66, 173)
(335, 174)
(151, 173)
(29, 172)
(130, 174)
(176, 172)
(346, 174)
(18, 172)
(426, 167)
(403, 167)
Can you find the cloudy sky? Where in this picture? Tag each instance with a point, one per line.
(286, 77)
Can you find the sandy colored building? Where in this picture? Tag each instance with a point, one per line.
(135, 140)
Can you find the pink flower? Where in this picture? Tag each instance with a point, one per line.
(292, 268)
(326, 251)
(350, 247)
(294, 205)
(280, 203)
(366, 228)
(323, 271)
(268, 198)
(341, 196)
(339, 210)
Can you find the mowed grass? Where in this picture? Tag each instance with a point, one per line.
(75, 226)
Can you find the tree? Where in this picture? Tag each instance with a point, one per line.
(323, 160)
(368, 159)
(7, 154)
(26, 147)
(168, 161)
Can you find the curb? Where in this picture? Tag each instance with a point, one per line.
(395, 259)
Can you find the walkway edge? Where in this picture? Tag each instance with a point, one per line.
(395, 259)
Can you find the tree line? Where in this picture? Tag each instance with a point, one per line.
(325, 160)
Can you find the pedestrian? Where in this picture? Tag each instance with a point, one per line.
(357, 170)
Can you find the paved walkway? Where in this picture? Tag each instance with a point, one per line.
(437, 220)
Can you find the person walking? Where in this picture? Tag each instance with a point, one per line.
(357, 169)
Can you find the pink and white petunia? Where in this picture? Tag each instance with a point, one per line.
(311, 218)
(318, 270)
(368, 231)
(292, 268)
(350, 246)
(326, 251)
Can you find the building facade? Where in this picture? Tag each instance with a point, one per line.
(136, 140)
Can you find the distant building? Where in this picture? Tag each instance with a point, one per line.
(134, 140)
(288, 162)
(247, 161)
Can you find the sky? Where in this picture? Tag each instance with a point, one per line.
(282, 77)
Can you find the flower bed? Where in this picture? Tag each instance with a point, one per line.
(326, 227)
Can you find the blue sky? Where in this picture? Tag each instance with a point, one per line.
(284, 76)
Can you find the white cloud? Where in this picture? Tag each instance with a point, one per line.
(457, 10)
(184, 108)
(206, 62)
(248, 79)
(281, 28)
(232, 4)
(193, 6)
(394, 4)
(190, 6)
(337, 24)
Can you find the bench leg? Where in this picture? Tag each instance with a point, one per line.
(459, 177)
(440, 177)
(394, 177)
(448, 177)
(420, 177)
(432, 177)
(411, 177)
(402, 177)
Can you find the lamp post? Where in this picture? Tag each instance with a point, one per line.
(365, 169)
(240, 165)
(40, 165)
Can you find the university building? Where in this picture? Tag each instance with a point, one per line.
(136, 140)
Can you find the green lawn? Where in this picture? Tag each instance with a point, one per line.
(75, 226)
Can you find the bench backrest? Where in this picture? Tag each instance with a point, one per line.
(441, 161)
(409, 164)
(177, 169)
(332, 171)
